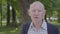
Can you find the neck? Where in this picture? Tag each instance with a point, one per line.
(37, 24)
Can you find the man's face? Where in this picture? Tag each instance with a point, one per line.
(36, 13)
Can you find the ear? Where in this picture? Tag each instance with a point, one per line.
(44, 14)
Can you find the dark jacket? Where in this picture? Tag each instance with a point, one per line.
(51, 29)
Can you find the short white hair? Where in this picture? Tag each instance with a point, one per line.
(37, 3)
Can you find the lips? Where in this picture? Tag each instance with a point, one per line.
(35, 17)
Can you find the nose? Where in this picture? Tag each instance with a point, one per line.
(36, 13)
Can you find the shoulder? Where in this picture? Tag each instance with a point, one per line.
(26, 24)
(24, 28)
(52, 28)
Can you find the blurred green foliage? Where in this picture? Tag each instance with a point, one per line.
(52, 7)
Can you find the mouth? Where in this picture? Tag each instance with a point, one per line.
(36, 17)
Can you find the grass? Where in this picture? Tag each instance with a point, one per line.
(10, 30)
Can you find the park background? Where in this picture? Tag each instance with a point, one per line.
(14, 12)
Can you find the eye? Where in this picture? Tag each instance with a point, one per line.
(33, 10)
(39, 11)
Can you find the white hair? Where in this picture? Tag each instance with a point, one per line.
(37, 3)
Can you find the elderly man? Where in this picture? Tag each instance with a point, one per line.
(38, 25)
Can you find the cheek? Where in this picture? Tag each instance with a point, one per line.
(30, 14)
(42, 15)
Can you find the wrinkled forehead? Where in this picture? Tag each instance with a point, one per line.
(37, 5)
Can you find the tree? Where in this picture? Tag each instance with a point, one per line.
(8, 13)
(1, 12)
(14, 23)
(24, 4)
(58, 9)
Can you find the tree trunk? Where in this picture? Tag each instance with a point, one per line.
(59, 16)
(24, 4)
(14, 23)
(8, 14)
(1, 14)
